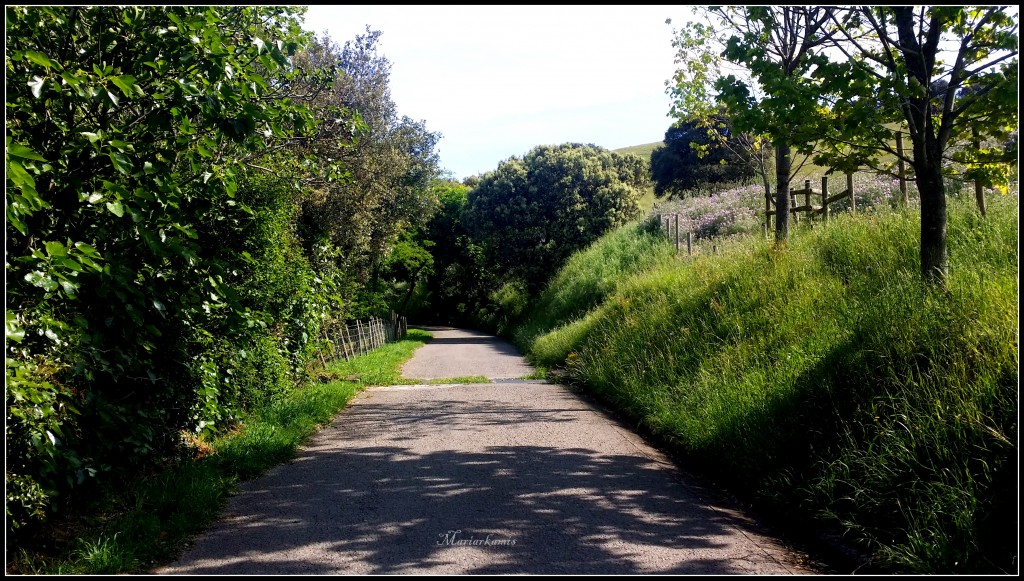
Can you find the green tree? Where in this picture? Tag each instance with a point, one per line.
(699, 49)
(779, 46)
(691, 158)
(460, 282)
(895, 55)
(386, 188)
(127, 128)
(530, 214)
(406, 268)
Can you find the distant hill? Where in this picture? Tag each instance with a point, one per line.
(643, 151)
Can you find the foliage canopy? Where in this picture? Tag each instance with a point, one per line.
(530, 214)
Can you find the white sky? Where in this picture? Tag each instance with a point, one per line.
(496, 81)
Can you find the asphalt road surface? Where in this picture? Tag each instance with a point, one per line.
(510, 477)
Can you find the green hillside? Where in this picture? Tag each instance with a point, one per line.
(643, 151)
(870, 403)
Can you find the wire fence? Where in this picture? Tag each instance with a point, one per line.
(359, 338)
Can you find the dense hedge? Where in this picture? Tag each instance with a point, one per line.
(166, 267)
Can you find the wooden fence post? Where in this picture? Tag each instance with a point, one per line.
(824, 198)
(902, 165)
(677, 233)
(979, 192)
(792, 205)
(668, 229)
(849, 190)
(807, 196)
(689, 243)
(767, 209)
(359, 335)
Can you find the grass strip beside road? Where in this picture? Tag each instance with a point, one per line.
(148, 521)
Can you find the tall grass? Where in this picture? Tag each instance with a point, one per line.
(826, 378)
(588, 278)
(151, 518)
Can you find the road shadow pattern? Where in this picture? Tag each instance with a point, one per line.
(359, 499)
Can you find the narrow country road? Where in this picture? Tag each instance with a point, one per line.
(509, 477)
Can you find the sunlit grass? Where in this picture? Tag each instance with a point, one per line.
(824, 379)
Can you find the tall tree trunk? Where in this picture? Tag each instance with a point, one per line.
(408, 295)
(934, 255)
(783, 163)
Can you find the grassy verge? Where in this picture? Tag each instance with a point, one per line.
(148, 520)
(824, 380)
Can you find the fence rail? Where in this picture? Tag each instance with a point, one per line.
(810, 194)
(360, 338)
(809, 208)
(666, 220)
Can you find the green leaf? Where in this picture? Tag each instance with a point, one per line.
(121, 163)
(24, 152)
(19, 176)
(55, 249)
(87, 250)
(89, 263)
(69, 287)
(36, 84)
(69, 263)
(116, 208)
(11, 329)
(14, 221)
(127, 84)
(40, 59)
(40, 279)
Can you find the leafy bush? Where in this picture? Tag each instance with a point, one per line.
(691, 160)
(530, 214)
(124, 314)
